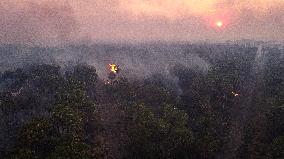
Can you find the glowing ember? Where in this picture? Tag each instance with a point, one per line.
(113, 68)
(235, 94)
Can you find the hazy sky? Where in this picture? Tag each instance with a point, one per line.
(60, 21)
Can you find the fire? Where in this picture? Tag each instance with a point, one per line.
(112, 76)
(235, 94)
(113, 68)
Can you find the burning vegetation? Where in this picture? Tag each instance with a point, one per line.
(114, 70)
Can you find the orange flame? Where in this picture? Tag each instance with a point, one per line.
(113, 68)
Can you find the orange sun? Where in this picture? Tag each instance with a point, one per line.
(219, 24)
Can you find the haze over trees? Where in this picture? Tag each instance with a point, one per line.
(199, 101)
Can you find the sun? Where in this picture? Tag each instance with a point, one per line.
(219, 24)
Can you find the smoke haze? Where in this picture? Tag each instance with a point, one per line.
(33, 23)
(49, 22)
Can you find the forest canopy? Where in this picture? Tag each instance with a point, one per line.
(227, 103)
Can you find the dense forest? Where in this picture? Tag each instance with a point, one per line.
(168, 101)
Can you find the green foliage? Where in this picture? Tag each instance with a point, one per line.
(141, 92)
(85, 73)
(208, 140)
(23, 153)
(71, 148)
(277, 148)
(36, 132)
(274, 80)
(154, 136)
(67, 120)
(64, 132)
